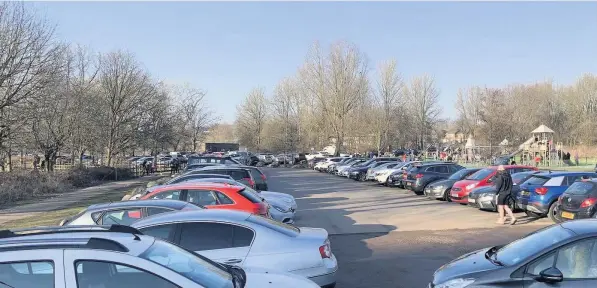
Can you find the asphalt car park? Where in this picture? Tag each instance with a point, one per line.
(390, 237)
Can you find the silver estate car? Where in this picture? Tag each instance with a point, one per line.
(117, 257)
(126, 212)
(246, 240)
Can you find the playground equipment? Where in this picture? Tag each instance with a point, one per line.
(540, 145)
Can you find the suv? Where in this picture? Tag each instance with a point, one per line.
(117, 257)
(240, 174)
(419, 176)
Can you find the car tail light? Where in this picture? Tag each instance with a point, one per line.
(541, 190)
(419, 176)
(263, 177)
(325, 250)
(588, 202)
(251, 182)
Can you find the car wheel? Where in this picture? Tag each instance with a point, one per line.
(553, 213)
(362, 177)
(533, 214)
(447, 196)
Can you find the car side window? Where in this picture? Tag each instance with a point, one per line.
(121, 217)
(455, 168)
(202, 197)
(28, 274)
(201, 236)
(157, 210)
(441, 169)
(160, 231)
(170, 194)
(224, 200)
(115, 275)
(545, 262)
(242, 237)
(578, 260)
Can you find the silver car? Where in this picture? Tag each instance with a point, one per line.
(118, 257)
(126, 212)
(239, 238)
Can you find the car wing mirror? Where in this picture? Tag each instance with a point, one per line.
(550, 275)
(489, 180)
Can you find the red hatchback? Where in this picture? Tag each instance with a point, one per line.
(461, 189)
(213, 196)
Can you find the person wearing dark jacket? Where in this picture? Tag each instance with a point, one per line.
(503, 184)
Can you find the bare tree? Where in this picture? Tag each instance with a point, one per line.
(194, 115)
(424, 99)
(388, 98)
(338, 81)
(285, 109)
(251, 118)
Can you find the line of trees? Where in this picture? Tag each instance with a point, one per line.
(57, 97)
(332, 98)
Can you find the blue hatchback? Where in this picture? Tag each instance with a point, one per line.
(539, 194)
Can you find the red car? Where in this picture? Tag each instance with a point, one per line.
(481, 178)
(213, 196)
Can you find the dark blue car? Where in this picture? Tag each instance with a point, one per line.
(539, 194)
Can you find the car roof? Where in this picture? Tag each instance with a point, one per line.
(124, 239)
(581, 226)
(175, 204)
(182, 216)
(509, 166)
(198, 185)
(437, 163)
(222, 168)
(562, 173)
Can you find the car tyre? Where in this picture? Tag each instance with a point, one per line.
(447, 196)
(533, 214)
(361, 177)
(553, 213)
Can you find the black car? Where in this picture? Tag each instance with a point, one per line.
(239, 174)
(258, 177)
(484, 197)
(419, 176)
(579, 201)
(359, 172)
(198, 166)
(561, 255)
(441, 189)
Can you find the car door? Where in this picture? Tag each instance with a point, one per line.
(101, 268)
(222, 242)
(32, 268)
(168, 194)
(205, 198)
(577, 263)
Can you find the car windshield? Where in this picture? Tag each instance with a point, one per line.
(192, 266)
(580, 188)
(523, 248)
(481, 174)
(536, 180)
(458, 175)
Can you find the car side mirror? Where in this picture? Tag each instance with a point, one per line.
(489, 180)
(550, 275)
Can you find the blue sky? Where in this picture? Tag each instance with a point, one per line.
(227, 48)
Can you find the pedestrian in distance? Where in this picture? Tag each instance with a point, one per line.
(144, 167)
(173, 166)
(503, 184)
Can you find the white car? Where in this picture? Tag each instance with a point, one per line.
(246, 240)
(381, 176)
(371, 172)
(323, 165)
(118, 257)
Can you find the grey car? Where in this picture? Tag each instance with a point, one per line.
(561, 255)
(126, 212)
(247, 240)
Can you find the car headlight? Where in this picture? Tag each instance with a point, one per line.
(456, 283)
(438, 188)
(279, 209)
(470, 186)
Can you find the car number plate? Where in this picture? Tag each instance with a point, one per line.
(525, 193)
(567, 215)
(471, 200)
(454, 194)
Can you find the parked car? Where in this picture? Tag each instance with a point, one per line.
(196, 166)
(561, 255)
(282, 206)
(212, 196)
(397, 177)
(359, 172)
(321, 154)
(484, 177)
(419, 176)
(485, 198)
(381, 172)
(258, 177)
(579, 201)
(323, 165)
(118, 257)
(266, 158)
(183, 178)
(126, 212)
(240, 174)
(191, 160)
(538, 196)
(333, 167)
(234, 237)
(441, 189)
(343, 170)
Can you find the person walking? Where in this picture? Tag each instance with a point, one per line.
(503, 184)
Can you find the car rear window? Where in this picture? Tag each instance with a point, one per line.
(536, 180)
(580, 188)
(481, 174)
(239, 174)
(256, 174)
(251, 196)
(283, 228)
